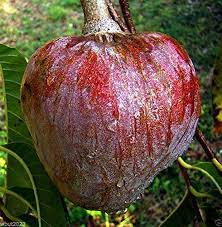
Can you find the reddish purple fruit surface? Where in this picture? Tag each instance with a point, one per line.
(107, 117)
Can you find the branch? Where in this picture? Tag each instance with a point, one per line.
(209, 152)
(203, 142)
(189, 186)
(66, 210)
(124, 4)
(115, 16)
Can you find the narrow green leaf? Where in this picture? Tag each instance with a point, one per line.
(20, 142)
(182, 215)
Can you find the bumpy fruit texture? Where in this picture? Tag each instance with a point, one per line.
(107, 117)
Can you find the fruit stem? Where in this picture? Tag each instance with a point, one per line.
(97, 18)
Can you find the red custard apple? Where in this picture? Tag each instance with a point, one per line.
(109, 110)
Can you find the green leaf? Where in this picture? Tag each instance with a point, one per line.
(51, 209)
(182, 215)
(13, 66)
(207, 169)
(17, 208)
(20, 142)
(211, 170)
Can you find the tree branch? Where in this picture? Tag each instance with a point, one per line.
(115, 16)
(203, 142)
(65, 210)
(124, 4)
(209, 152)
(189, 185)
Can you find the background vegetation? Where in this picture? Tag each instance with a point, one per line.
(196, 24)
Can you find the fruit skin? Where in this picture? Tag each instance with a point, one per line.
(107, 117)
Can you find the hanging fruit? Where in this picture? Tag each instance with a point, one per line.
(110, 109)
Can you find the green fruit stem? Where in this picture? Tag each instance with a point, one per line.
(97, 18)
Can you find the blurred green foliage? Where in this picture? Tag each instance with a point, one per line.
(56, 13)
(2, 121)
(2, 169)
(78, 215)
(195, 24)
